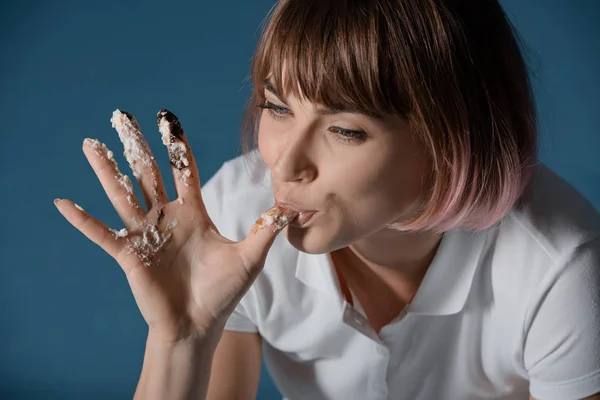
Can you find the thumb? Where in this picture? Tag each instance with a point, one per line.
(262, 235)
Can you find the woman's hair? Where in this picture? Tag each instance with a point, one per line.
(452, 68)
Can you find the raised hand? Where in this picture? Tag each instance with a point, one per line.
(186, 278)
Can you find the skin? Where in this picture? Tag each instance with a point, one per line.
(358, 185)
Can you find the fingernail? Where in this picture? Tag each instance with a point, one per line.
(57, 200)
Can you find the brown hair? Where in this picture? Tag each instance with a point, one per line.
(452, 68)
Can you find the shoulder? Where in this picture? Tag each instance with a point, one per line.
(549, 237)
(554, 214)
(541, 274)
(551, 220)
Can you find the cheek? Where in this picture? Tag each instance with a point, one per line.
(363, 195)
(406, 188)
(267, 144)
(383, 189)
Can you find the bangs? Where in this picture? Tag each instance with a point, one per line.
(317, 50)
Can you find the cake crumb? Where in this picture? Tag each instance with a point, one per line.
(99, 148)
(172, 137)
(122, 233)
(276, 217)
(150, 241)
(104, 153)
(186, 177)
(180, 200)
(136, 149)
(155, 185)
(126, 183)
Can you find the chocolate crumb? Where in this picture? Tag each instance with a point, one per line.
(172, 137)
(175, 125)
(175, 161)
(130, 116)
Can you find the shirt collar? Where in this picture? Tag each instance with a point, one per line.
(445, 287)
(448, 280)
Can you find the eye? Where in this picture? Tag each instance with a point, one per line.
(275, 111)
(341, 134)
(348, 135)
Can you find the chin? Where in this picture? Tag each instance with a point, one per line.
(307, 240)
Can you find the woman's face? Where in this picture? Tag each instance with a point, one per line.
(358, 172)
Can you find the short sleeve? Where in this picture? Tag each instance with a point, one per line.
(240, 320)
(214, 193)
(562, 340)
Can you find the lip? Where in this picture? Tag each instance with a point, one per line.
(302, 219)
(295, 207)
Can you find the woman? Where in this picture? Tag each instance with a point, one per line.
(427, 254)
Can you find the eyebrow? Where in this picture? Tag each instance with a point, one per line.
(325, 111)
(269, 86)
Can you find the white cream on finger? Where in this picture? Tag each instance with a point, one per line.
(136, 149)
(276, 217)
(104, 153)
(121, 233)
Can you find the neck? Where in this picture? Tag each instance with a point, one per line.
(392, 256)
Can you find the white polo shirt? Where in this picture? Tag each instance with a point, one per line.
(501, 313)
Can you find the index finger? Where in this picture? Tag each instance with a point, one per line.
(108, 239)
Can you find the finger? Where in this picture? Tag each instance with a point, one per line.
(140, 159)
(262, 235)
(183, 165)
(108, 239)
(117, 186)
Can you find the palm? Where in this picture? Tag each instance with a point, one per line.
(184, 271)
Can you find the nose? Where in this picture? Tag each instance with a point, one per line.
(295, 161)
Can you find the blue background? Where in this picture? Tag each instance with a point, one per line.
(69, 327)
